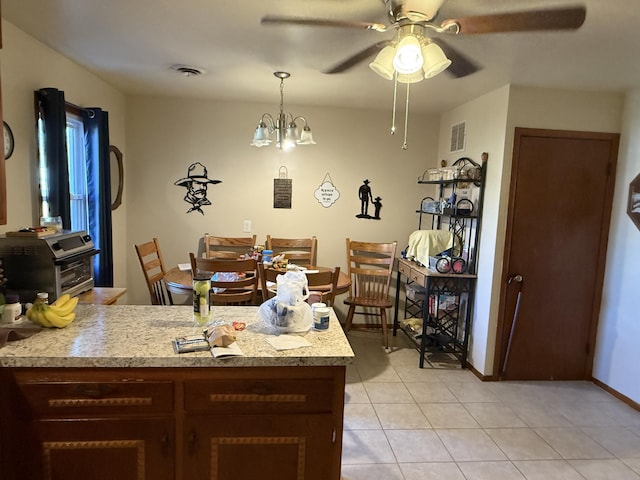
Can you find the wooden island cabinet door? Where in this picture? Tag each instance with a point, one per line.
(81, 449)
(249, 447)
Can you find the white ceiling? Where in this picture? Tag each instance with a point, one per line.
(132, 43)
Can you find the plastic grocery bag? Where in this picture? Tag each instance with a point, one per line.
(293, 287)
(288, 311)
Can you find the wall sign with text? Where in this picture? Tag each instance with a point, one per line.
(327, 194)
(282, 190)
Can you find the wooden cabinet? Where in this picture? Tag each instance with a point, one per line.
(268, 447)
(281, 423)
(238, 429)
(77, 425)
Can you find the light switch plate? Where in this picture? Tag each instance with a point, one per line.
(246, 226)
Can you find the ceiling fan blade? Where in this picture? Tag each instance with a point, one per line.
(320, 22)
(568, 18)
(461, 65)
(362, 55)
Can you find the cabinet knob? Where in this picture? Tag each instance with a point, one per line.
(192, 441)
(164, 444)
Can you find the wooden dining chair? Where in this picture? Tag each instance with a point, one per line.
(266, 276)
(301, 251)
(227, 247)
(328, 280)
(240, 291)
(370, 266)
(153, 269)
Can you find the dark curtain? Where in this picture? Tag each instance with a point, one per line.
(96, 125)
(50, 105)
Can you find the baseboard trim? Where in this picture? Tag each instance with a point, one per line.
(623, 398)
(633, 404)
(484, 378)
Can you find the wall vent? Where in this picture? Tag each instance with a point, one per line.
(458, 137)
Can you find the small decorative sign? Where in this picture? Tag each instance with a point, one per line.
(282, 188)
(327, 194)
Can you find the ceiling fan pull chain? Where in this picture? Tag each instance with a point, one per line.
(406, 119)
(395, 96)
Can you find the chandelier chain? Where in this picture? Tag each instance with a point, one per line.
(282, 95)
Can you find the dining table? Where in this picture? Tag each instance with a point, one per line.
(180, 281)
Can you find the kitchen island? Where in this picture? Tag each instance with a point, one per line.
(108, 397)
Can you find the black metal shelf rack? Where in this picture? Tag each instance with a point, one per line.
(439, 306)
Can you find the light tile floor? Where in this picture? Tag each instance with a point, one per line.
(406, 423)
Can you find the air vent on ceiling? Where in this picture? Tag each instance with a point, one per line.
(187, 70)
(457, 137)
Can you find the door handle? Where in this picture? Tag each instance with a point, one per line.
(515, 278)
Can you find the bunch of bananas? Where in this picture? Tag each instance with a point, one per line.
(59, 314)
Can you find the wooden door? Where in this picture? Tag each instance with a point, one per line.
(558, 222)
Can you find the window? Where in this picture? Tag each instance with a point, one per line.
(77, 173)
(74, 172)
(77, 164)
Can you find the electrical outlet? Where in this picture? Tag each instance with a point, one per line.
(246, 226)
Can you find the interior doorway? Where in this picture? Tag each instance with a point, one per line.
(557, 228)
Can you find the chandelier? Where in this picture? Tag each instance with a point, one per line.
(411, 58)
(288, 135)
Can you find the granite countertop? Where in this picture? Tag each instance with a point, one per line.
(137, 336)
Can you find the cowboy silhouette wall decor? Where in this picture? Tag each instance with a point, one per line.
(365, 196)
(196, 183)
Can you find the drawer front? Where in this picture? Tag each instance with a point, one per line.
(260, 396)
(417, 276)
(404, 269)
(63, 399)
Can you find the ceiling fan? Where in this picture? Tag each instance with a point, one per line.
(418, 18)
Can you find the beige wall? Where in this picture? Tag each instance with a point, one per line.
(166, 135)
(27, 65)
(617, 359)
(485, 119)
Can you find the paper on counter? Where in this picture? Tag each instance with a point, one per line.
(232, 350)
(288, 342)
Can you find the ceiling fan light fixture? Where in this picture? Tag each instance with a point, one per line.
(383, 63)
(414, 77)
(408, 58)
(435, 60)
